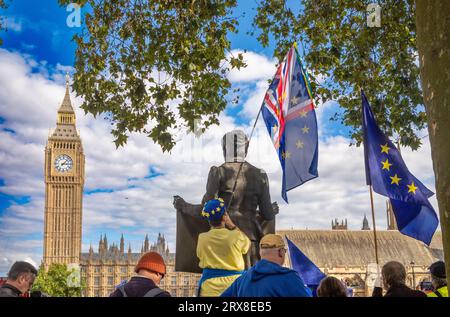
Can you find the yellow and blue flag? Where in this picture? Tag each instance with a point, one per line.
(290, 118)
(387, 173)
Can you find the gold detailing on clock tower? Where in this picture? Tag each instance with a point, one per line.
(64, 181)
(66, 115)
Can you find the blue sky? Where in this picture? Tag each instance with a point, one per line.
(129, 190)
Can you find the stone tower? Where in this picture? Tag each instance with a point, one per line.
(391, 222)
(64, 181)
(365, 224)
(335, 225)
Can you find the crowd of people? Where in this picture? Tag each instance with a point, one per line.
(221, 250)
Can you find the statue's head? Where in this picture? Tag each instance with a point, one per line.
(235, 146)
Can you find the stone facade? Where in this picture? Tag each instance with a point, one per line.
(64, 180)
(335, 225)
(109, 267)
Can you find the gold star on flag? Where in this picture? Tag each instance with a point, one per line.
(386, 165)
(303, 113)
(299, 144)
(412, 188)
(275, 128)
(385, 148)
(295, 100)
(395, 179)
(286, 155)
(305, 129)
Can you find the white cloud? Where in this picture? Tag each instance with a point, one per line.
(259, 67)
(123, 197)
(253, 102)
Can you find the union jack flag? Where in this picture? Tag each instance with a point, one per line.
(288, 112)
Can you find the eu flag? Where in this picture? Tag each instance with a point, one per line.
(288, 112)
(389, 176)
(307, 270)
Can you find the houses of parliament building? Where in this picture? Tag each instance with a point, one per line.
(345, 254)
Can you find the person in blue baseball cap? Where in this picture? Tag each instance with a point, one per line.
(220, 250)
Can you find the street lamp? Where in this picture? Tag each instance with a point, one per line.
(414, 276)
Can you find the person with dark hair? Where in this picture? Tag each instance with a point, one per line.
(331, 287)
(393, 277)
(150, 270)
(437, 272)
(21, 277)
(220, 250)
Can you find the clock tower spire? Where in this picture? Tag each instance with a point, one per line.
(64, 181)
(66, 115)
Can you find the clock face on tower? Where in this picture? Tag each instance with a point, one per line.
(63, 163)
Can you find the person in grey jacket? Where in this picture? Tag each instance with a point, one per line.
(21, 277)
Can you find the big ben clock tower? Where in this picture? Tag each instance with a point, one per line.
(64, 180)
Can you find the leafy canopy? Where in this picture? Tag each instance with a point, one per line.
(3, 5)
(346, 53)
(146, 64)
(155, 66)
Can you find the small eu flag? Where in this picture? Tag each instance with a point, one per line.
(389, 176)
(307, 270)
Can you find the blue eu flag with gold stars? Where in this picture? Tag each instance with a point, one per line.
(389, 176)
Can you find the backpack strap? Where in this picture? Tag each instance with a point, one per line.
(154, 292)
(121, 288)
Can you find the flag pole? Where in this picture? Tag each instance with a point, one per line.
(374, 225)
(373, 212)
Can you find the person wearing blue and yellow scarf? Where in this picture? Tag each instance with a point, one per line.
(220, 250)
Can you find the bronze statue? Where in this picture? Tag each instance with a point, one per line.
(251, 208)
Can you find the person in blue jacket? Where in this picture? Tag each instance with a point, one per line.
(268, 278)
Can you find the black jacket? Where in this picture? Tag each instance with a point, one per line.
(398, 291)
(7, 290)
(138, 286)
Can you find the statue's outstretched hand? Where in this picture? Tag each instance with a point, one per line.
(229, 224)
(275, 208)
(178, 203)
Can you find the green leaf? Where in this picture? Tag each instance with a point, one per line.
(132, 57)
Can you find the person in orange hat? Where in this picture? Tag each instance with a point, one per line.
(150, 270)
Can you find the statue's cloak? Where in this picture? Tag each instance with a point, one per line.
(188, 229)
